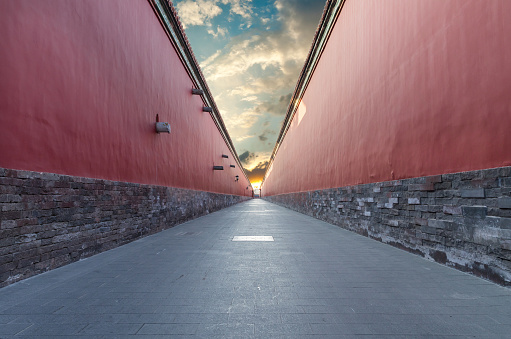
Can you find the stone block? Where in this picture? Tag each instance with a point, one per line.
(470, 175)
(433, 179)
(428, 229)
(414, 201)
(450, 176)
(441, 224)
(474, 211)
(10, 198)
(18, 206)
(491, 173)
(393, 223)
(453, 210)
(435, 208)
(504, 223)
(472, 193)
(391, 183)
(505, 182)
(421, 187)
(505, 234)
(420, 221)
(492, 193)
(505, 171)
(7, 224)
(443, 186)
(504, 202)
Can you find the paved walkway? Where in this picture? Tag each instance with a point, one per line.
(314, 280)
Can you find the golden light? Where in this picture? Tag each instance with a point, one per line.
(256, 185)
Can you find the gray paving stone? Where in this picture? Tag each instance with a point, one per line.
(235, 318)
(201, 318)
(314, 281)
(109, 328)
(169, 329)
(311, 318)
(214, 330)
(12, 329)
(7, 318)
(68, 329)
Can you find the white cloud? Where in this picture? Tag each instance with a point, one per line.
(270, 84)
(252, 76)
(284, 50)
(244, 137)
(240, 7)
(198, 13)
(210, 59)
(242, 122)
(220, 32)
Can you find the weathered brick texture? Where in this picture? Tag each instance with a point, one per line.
(462, 220)
(49, 220)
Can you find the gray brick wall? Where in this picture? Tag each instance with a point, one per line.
(462, 219)
(49, 220)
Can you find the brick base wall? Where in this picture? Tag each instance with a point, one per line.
(462, 220)
(49, 220)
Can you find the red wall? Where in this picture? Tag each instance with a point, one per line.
(81, 83)
(404, 88)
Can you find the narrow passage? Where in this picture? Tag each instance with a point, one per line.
(314, 280)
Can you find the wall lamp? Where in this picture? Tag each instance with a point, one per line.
(162, 127)
(225, 156)
(197, 91)
(218, 168)
(232, 166)
(207, 109)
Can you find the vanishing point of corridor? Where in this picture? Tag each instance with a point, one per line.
(314, 280)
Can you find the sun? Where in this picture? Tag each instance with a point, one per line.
(256, 185)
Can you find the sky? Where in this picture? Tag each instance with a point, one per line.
(251, 53)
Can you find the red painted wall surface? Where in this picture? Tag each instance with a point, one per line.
(81, 83)
(404, 88)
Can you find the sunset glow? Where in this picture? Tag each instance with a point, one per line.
(256, 185)
(251, 53)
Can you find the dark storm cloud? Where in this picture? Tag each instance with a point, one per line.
(246, 157)
(264, 136)
(257, 173)
(275, 106)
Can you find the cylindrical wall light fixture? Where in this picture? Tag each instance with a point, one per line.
(162, 127)
(225, 156)
(197, 91)
(233, 166)
(218, 168)
(207, 109)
